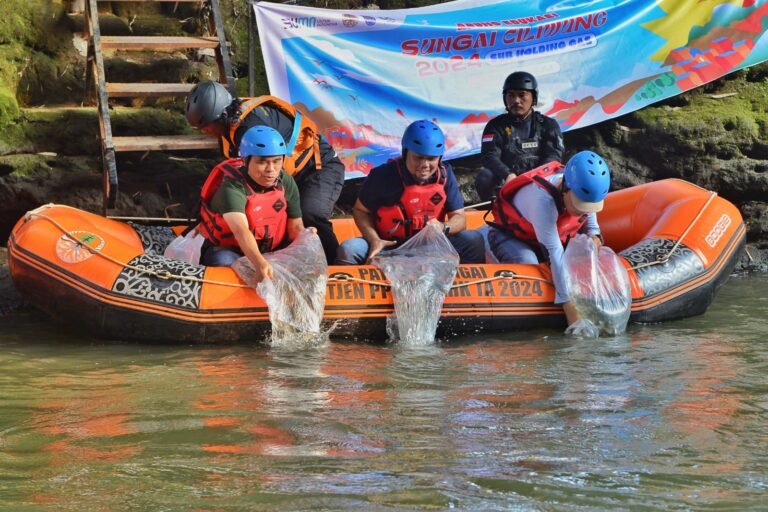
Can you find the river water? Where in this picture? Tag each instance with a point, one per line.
(670, 416)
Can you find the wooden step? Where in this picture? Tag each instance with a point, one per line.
(133, 90)
(157, 42)
(164, 143)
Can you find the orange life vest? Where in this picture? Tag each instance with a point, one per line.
(508, 218)
(304, 142)
(267, 211)
(417, 205)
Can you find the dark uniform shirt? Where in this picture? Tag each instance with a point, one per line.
(268, 116)
(510, 145)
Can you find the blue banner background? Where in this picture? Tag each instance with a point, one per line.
(363, 76)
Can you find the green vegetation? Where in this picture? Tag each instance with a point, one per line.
(9, 107)
(725, 118)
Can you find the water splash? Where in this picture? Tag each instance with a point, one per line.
(295, 295)
(421, 272)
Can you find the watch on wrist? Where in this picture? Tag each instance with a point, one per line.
(446, 229)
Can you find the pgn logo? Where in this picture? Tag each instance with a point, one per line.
(296, 23)
(349, 20)
(718, 230)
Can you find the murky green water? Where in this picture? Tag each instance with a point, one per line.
(669, 417)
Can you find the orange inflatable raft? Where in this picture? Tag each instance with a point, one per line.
(110, 278)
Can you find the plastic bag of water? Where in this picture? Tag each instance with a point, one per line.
(295, 295)
(421, 272)
(598, 285)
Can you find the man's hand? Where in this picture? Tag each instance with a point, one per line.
(578, 326)
(510, 177)
(571, 314)
(376, 247)
(439, 225)
(583, 328)
(263, 270)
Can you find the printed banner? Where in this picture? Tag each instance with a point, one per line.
(364, 75)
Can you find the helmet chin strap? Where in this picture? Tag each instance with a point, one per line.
(519, 119)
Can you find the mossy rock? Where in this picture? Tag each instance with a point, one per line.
(151, 121)
(9, 107)
(66, 131)
(158, 67)
(34, 36)
(48, 80)
(24, 166)
(41, 129)
(38, 24)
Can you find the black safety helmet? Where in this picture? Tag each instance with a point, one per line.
(206, 102)
(521, 81)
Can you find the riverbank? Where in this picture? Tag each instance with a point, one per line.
(9, 297)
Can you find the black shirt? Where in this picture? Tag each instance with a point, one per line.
(514, 145)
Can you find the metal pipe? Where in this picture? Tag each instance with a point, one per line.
(251, 47)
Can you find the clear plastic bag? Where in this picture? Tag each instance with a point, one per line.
(186, 248)
(421, 272)
(295, 295)
(598, 287)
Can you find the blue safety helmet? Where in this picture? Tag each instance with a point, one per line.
(425, 138)
(588, 176)
(262, 141)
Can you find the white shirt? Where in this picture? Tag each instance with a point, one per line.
(539, 208)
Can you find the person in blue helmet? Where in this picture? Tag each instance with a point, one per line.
(536, 213)
(250, 205)
(310, 159)
(402, 196)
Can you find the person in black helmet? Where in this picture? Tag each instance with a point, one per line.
(519, 139)
(310, 159)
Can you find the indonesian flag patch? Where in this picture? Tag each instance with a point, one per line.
(488, 138)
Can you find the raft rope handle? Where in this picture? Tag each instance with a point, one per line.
(504, 274)
(662, 259)
(160, 274)
(166, 275)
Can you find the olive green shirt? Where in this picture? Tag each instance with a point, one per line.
(232, 195)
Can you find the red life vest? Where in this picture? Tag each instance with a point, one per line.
(417, 205)
(267, 212)
(304, 141)
(509, 219)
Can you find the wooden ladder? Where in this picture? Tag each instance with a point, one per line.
(96, 80)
